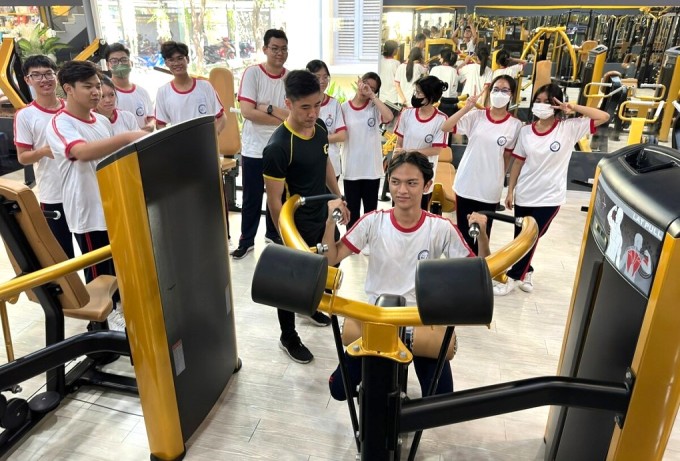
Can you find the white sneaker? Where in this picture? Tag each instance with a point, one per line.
(116, 320)
(526, 285)
(502, 289)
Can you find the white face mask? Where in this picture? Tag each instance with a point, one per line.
(542, 110)
(499, 100)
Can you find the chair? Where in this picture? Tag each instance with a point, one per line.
(443, 179)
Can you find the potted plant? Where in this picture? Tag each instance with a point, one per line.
(37, 38)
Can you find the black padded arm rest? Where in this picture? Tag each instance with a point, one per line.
(454, 292)
(289, 279)
(390, 301)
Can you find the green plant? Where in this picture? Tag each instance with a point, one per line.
(38, 39)
(337, 92)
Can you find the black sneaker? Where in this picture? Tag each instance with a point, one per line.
(296, 350)
(320, 319)
(276, 239)
(242, 251)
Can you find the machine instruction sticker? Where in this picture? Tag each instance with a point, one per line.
(178, 357)
(630, 243)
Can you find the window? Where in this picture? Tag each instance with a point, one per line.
(358, 30)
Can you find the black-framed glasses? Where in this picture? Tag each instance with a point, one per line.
(116, 61)
(37, 76)
(277, 50)
(501, 90)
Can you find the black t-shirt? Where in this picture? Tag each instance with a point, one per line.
(301, 163)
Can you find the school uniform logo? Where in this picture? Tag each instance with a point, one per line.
(425, 254)
(140, 111)
(502, 141)
(202, 109)
(371, 122)
(554, 147)
(329, 121)
(429, 138)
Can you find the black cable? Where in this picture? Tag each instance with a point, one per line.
(104, 406)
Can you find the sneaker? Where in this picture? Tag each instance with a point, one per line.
(320, 319)
(116, 320)
(276, 240)
(526, 285)
(242, 251)
(502, 289)
(296, 350)
(232, 247)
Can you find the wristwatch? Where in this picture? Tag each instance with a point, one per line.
(270, 109)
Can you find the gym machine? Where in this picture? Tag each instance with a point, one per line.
(384, 415)
(669, 76)
(164, 209)
(623, 321)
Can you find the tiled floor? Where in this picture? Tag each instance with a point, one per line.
(280, 410)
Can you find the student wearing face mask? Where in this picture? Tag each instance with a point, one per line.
(419, 128)
(492, 134)
(131, 97)
(538, 177)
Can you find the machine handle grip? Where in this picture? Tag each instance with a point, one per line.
(658, 111)
(502, 217)
(317, 198)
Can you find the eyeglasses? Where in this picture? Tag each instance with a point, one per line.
(175, 59)
(501, 90)
(115, 61)
(276, 50)
(39, 77)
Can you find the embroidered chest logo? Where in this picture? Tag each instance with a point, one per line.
(429, 138)
(202, 109)
(502, 141)
(555, 146)
(425, 254)
(140, 111)
(329, 121)
(371, 122)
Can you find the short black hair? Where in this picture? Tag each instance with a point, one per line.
(77, 71)
(169, 48)
(503, 57)
(389, 48)
(37, 60)
(413, 158)
(315, 65)
(420, 37)
(448, 56)
(301, 83)
(114, 48)
(431, 87)
(373, 76)
(274, 33)
(553, 91)
(108, 82)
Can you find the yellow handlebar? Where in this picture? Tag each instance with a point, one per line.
(658, 105)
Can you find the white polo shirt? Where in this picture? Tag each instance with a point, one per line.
(481, 171)
(136, 101)
(447, 74)
(79, 187)
(395, 250)
(174, 106)
(543, 178)
(388, 71)
(123, 121)
(29, 132)
(474, 83)
(513, 71)
(362, 151)
(331, 114)
(259, 87)
(409, 87)
(417, 133)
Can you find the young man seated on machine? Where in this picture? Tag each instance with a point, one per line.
(399, 237)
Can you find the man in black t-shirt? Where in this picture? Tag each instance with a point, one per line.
(295, 161)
